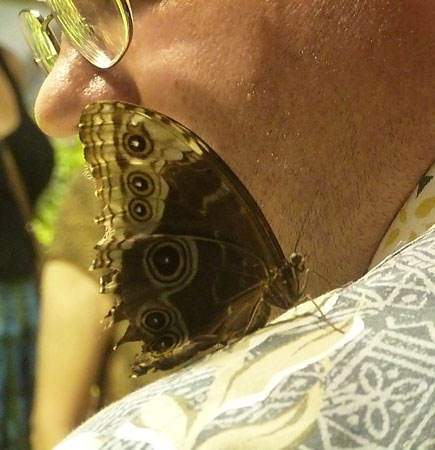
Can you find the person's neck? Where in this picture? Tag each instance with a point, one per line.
(348, 209)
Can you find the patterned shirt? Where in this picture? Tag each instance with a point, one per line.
(366, 382)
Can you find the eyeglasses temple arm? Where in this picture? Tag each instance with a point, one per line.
(47, 30)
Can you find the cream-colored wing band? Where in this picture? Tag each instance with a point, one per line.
(416, 216)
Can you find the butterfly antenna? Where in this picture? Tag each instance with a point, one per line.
(300, 234)
(301, 231)
(322, 277)
(305, 221)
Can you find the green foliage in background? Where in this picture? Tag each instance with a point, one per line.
(69, 153)
(69, 159)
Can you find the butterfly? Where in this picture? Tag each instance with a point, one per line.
(191, 260)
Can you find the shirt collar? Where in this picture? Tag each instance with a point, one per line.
(415, 217)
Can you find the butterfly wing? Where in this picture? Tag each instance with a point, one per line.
(156, 176)
(159, 181)
(180, 292)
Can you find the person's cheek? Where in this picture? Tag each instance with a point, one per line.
(196, 66)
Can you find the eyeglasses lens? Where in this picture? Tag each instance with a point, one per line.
(99, 29)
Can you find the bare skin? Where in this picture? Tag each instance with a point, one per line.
(323, 105)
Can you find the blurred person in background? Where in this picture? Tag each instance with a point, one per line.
(26, 164)
(75, 380)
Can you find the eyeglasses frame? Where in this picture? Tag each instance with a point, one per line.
(127, 15)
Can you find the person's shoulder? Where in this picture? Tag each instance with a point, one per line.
(287, 382)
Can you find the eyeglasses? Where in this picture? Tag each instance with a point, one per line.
(100, 30)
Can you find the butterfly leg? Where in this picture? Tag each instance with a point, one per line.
(307, 297)
(303, 285)
(259, 316)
